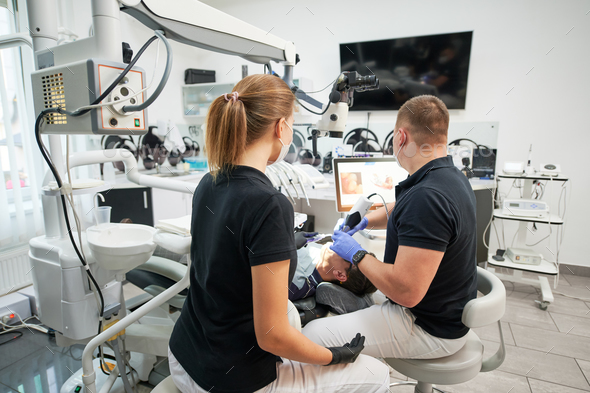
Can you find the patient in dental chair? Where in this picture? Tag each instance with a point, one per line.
(327, 267)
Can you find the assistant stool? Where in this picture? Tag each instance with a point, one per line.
(166, 386)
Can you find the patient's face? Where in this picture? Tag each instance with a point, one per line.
(329, 259)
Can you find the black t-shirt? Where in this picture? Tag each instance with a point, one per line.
(435, 210)
(238, 221)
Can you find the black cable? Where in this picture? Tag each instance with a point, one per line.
(64, 206)
(118, 79)
(20, 334)
(456, 142)
(309, 110)
(45, 155)
(53, 169)
(319, 91)
(63, 199)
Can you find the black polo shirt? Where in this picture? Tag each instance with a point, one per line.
(435, 210)
(238, 221)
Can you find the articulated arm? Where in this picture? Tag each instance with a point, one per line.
(194, 23)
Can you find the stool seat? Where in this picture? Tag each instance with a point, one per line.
(166, 386)
(450, 370)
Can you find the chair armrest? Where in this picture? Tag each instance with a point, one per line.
(176, 301)
(164, 267)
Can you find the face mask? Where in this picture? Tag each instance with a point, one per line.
(400, 149)
(284, 148)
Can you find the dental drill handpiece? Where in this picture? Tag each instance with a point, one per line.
(301, 183)
(286, 169)
(356, 214)
(278, 173)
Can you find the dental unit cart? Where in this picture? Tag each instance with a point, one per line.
(522, 214)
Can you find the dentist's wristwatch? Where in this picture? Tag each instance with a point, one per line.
(359, 255)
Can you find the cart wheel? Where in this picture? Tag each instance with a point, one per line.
(543, 305)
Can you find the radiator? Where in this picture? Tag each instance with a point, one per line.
(15, 269)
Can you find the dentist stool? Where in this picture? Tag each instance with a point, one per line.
(468, 362)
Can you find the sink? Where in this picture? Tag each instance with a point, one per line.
(121, 247)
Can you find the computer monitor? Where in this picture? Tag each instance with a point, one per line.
(358, 176)
(484, 163)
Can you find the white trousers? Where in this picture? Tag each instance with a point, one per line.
(366, 374)
(389, 330)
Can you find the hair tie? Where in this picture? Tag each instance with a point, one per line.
(234, 96)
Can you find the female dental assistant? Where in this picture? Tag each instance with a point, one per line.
(233, 333)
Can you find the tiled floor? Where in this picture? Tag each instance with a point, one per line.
(547, 351)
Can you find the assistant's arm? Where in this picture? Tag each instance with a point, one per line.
(271, 325)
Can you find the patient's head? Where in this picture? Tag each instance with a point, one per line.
(335, 269)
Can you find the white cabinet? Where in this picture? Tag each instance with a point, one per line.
(197, 98)
(173, 204)
(170, 204)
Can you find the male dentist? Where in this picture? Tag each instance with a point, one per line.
(429, 269)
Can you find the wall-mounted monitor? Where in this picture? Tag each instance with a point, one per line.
(411, 66)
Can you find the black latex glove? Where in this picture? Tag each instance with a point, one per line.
(349, 352)
(301, 238)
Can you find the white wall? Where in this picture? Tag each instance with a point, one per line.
(545, 105)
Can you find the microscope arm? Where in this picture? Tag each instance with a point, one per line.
(196, 24)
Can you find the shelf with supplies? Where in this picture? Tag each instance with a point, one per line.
(552, 219)
(525, 207)
(197, 98)
(532, 177)
(546, 267)
(541, 282)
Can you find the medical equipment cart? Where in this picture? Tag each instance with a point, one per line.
(546, 267)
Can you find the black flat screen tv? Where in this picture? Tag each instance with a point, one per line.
(411, 66)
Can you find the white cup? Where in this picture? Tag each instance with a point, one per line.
(102, 214)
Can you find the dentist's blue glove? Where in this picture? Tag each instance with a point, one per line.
(361, 225)
(344, 245)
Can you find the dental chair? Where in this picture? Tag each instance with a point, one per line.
(157, 275)
(468, 362)
(330, 299)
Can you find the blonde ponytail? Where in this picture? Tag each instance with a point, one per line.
(235, 121)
